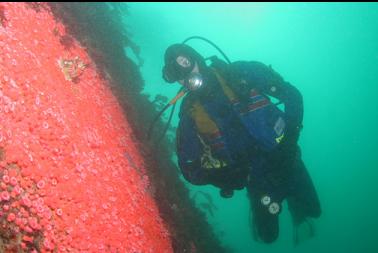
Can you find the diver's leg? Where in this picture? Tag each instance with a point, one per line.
(302, 198)
(264, 224)
(264, 201)
(303, 202)
(230, 179)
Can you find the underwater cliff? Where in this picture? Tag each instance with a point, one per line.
(76, 172)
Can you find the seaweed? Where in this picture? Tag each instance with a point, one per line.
(37, 6)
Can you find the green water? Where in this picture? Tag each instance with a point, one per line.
(329, 51)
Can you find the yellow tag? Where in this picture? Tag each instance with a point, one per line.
(279, 138)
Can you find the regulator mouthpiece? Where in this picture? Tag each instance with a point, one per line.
(194, 81)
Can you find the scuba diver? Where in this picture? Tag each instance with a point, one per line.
(231, 135)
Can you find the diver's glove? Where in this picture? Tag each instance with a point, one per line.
(287, 150)
(202, 172)
(291, 136)
(229, 178)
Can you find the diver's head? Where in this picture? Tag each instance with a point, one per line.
(184, 65)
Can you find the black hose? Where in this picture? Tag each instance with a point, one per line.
(154, 121)
(168, 123)
(179, 94)
(208, 41)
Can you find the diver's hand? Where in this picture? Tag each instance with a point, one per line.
(290, 154)
(288, 149)
(291, 136)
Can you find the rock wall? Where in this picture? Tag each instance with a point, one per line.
(71, 175)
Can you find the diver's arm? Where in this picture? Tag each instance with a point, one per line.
(292, 100)
(189, 151)
(257, 75)
(288, 94)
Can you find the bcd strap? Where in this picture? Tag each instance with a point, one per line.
(205, 125)
(226, 90)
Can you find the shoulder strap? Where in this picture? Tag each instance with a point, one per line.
(204, 123)
(226, 89)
